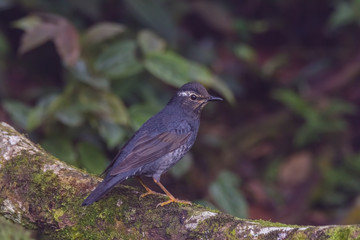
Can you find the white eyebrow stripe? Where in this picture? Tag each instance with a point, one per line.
(186, 93)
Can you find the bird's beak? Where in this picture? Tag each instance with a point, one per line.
(212, 98)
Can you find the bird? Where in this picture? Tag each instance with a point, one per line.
(158, 144)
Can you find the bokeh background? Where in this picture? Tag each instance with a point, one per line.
(79, 77)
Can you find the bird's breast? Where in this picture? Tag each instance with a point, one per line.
(167, 161)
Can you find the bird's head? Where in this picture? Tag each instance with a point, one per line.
(193, 96)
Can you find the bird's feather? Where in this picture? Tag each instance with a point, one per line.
(104, 187)
(150, 148)
(108, 168)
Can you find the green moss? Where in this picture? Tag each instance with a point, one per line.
(42, 190)
(339, 233)
(274, 224)
(231, 234)
(58, 213)
(300, 236)
(97, 221)
(47, 182)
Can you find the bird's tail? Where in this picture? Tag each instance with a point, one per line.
(104, 187)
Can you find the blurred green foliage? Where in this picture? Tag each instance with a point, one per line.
(318, 119)
(346, 13)
(87, 106)
(339, 182)
(224, 191)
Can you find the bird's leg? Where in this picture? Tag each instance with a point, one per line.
(148, 190)
(172, 198)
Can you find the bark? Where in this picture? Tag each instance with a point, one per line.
(40, 192)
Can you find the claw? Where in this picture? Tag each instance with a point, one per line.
(171, 201)
(172, 198)
(149, 193)
(148, 190)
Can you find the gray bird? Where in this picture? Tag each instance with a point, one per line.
(159, 143)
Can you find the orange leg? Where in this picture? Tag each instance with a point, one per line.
(148, 190)
(172, 198)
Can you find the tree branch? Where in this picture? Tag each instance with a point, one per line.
(40, 192)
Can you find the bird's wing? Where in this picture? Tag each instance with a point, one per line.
(108, 168)
(150, 148)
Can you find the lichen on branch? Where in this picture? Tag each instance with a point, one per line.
(40, 192)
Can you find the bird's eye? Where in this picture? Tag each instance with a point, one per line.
(193, 97)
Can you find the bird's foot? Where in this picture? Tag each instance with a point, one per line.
(149, 192)
(173, 200)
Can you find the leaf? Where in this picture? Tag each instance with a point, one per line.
(246, 53)
(81, 72)
(168, 67)
(27, 117)
(27, 23)
(294, 102)
(203, 75)
(37, 36)
(61, 147)
(70, 115)
(111, 132)
(113, 108)
(224, 190)
(91, 157)
(103, 31)
(18, 111)
(155, 15)
(274, 63)
(140, 113)
(35, 118)
(176, 70)
(343, 15)
(66, 106)
(305, 135)
(150, 42)
(119, 60)
(338, 106)
(45, 27)
(200, 73)
(66, 41)
(90, 100)
(222, 88)
(41, 111)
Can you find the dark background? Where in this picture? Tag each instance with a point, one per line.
(284, 146)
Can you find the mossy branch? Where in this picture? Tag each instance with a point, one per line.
(40, 192)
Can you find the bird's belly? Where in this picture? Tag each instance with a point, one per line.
(167, 161)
